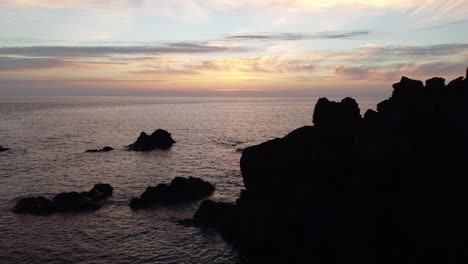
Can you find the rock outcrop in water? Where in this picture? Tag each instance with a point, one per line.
(180, 190)
(104, 149)
(160, 139)
(65, 202)
(3, 149)
(390, 187)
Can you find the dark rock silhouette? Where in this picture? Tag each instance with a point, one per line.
(34, 205)
(388, 188)
(104, 149)
(100, 191)
(333, 115)
(217, 215)
(3, 149)
(65, 202)
(74, 202)
(180, 190)
(160, 139)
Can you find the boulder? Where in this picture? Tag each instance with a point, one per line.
(337, 115)
(65, 202)
(34, 205)
(3, 149)
(180, 190)
(160, 139)
(100, 191)
(211, 214)
(104, 149)
(435, 84)
(408, 88)
(74, 202)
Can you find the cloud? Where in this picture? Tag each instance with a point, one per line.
(421, 13)
(352, 72)
(255, 65)
(440, 68)
(298, 36)
(93, 51)
(392, 72)
(15, 64)
(374, 55)
(8, 64)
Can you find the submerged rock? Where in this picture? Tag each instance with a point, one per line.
(180, 190)
(65, 202)
(388, 188)
(160, 139)
(3, 149)
(104, 149)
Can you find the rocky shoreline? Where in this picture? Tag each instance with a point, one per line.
(386, 187)
(389, 187)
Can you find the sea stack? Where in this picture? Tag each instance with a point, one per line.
(160, 139)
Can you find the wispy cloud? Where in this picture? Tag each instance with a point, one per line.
(298, 36)
(255, 65)
(392, 72)
(8, 64)
(93, 51)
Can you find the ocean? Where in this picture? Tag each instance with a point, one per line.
(48, 137)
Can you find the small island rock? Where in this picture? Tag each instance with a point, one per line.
(160, 139)
(180, 190)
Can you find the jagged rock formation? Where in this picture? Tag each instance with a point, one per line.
(65, 202)
(180, 190)
(390, 187)
(104, 149)
(160, 139)
(3, 149)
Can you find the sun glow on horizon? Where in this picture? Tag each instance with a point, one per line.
(214, 45)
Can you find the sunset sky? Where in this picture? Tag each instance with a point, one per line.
(227, 47)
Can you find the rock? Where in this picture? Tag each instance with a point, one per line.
(337, 115)
(214, 214)
(180, 190)
(65, 202)
(186, 222)
(74, 202)
(3, 149)
(34, 205)
(407, 88)
(436, 84)
(104, 149)
(100, 191)
(388, 188)
(160, 139)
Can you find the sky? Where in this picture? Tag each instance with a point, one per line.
(227, 47)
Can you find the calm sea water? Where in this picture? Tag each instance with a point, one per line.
(48, 137)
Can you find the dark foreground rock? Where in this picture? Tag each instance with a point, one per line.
(3, 149)
(180, 190)
(104, 149)
(160, 139)
(391, 187)
(65, 202)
